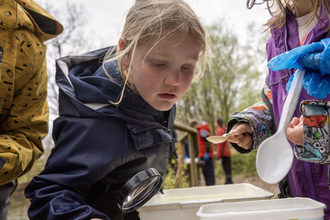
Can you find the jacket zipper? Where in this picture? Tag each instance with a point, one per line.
(310, 182)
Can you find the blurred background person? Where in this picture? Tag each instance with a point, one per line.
(223, 150)
(205, 150)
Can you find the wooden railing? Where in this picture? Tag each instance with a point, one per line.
(191, 136)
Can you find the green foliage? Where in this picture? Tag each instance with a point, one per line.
(242, 164)
(171, 180)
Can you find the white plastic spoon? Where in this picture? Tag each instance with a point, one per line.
(275, 154)
(220, 139)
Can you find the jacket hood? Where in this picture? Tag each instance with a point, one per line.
(86, 81)
(92, 84)
(15, 14)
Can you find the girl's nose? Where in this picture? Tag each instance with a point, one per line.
(172, 78)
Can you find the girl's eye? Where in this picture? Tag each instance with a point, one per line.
(185, 67)
(159, 64)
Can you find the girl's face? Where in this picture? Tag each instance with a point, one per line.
(162, 73)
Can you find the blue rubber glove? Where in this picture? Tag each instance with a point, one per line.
(315, 60)
(206, 156)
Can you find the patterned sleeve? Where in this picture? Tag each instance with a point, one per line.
(315, 147)
(259, 117)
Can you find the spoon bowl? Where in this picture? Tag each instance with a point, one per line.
(274, 158)
(275, 154)
(220, 139)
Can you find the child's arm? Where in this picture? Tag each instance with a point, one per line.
(255, 123)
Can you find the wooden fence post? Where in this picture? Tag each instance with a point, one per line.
(192, 135)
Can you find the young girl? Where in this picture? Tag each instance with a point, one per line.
(116, 119)
(296, 23)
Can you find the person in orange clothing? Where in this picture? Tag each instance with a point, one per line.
(205, 150)
(223, 150)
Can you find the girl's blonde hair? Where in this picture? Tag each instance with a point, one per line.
(279, 15)
(150, 21)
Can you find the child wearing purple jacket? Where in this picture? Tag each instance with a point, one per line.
(295, 23)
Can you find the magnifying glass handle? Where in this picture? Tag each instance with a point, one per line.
(119, 216)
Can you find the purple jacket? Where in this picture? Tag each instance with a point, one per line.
(305, 179)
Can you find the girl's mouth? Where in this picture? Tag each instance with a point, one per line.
(167, 96)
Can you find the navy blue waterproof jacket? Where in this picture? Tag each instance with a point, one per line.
(99, 146)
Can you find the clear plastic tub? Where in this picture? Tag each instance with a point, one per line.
(183, 203)
(274, 209)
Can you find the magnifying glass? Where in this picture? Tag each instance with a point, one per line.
(138, 191)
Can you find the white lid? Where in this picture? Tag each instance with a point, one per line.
(290, 208)
(195, 197)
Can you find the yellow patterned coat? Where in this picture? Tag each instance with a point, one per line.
(24, 26)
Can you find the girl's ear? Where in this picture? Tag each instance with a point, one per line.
(125, 60)
(122, 44)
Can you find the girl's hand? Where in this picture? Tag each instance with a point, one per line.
(244, 140)
(294, 132)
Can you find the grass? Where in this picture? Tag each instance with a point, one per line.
(242, 164)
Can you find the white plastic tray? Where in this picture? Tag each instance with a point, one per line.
(273, 209)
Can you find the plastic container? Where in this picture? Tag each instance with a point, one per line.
(183, 203)
(273, 209)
